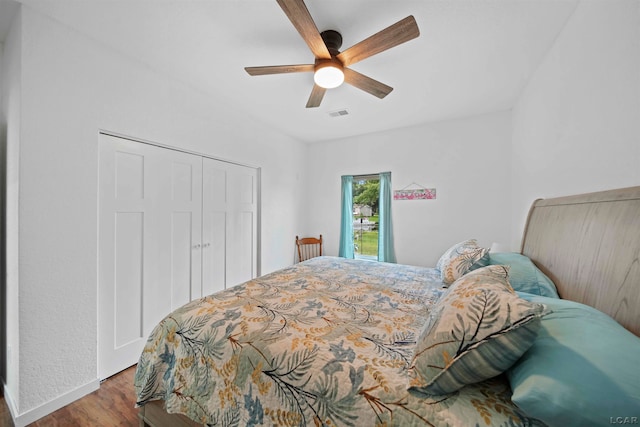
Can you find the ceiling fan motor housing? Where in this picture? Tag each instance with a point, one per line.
(333, 40)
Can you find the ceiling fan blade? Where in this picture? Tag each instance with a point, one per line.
(317, 93)
(300, 17)
(278, 69)
(398, 33)
(366, 84)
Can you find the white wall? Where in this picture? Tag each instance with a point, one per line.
(73, 87)
(576, 126)
(10, 90)
(3, 170)
(467, 161)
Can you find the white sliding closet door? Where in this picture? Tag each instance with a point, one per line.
(173, 227)
(179, 228)
(149, 244)
(229, 225)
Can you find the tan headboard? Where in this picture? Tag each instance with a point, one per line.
(589, 245)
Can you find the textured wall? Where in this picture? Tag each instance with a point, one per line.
(576, 126)
(72, 88)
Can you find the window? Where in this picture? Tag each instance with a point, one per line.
(366, 217)
(366, 197)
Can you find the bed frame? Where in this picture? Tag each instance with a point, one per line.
(588, 244)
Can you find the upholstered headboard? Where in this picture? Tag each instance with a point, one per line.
(589, 245)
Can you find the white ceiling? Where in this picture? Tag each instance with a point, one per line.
(472, 57)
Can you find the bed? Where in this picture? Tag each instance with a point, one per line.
(483, 339)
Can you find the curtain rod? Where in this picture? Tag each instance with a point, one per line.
(368, 176)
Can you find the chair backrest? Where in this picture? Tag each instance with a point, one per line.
(309, 247)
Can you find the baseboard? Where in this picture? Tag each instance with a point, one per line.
(35, 414)
(9, 401)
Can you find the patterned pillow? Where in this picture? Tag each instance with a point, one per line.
(459, 259)
(476, 331)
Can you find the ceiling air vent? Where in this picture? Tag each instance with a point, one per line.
(338, 113)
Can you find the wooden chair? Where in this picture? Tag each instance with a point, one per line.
(309, 247)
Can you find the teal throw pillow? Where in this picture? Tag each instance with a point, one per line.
(524, 276)
(583, 368)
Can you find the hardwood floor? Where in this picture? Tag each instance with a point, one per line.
(111, 405)
(5, 416)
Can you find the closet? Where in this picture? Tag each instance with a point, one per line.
(173, 227)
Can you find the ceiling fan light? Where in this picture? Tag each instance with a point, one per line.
(328, 75)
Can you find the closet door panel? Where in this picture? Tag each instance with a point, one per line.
(128, 207)
(124, 246)
(229, 229)
(127, 296)
(214, 257)
(149, 237)
(245, 187)
(182, 254)
(129, 175)
(242, 208)
(186, 245)
(214, 227)
(180, 209)
(240, 259)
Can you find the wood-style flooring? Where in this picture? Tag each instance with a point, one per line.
(111, 405)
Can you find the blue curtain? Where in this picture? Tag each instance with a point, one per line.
(346, 224)
(385, 234)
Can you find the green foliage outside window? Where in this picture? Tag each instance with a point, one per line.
(367, 193)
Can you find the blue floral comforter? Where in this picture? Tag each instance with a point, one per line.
(326, 342)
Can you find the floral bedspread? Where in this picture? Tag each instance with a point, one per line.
(326, 342)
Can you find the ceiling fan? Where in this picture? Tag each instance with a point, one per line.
(331, 66)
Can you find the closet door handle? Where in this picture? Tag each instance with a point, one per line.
(196, 246)
(206, 245)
